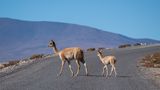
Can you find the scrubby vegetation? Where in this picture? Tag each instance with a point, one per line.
(152, 60)
(91, 49)
(137, 44)
(17, 62)
(11, 63)
(101, 48)
(125, 45)
(37, 56)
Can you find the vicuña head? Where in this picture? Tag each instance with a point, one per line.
(68, 54)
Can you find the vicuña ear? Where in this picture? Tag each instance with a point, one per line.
(53, 42)
(100, 50)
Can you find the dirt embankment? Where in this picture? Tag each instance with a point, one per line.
(10, 66)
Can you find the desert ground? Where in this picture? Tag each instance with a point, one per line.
(42, 74)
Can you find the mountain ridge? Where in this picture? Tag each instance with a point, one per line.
(22, 38)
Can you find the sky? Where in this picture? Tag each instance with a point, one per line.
(132, 18)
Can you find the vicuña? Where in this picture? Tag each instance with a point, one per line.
(68, 54)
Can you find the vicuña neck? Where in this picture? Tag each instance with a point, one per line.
(101, 56)
(55, 50)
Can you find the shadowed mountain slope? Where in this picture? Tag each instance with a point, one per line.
(23, 38)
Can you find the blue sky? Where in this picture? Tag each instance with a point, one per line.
(133, 18)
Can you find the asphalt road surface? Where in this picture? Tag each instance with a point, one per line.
(42, 74)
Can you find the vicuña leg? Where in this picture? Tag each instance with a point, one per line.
(115, 71)
(111, 70)
(103, 70)
(86, 69)
(106, 70)
(70, 68)
(84, 63)
(78, 67)
(63, 62)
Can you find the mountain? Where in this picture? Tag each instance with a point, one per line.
(20, 38)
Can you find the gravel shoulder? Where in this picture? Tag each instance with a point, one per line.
(152, 74)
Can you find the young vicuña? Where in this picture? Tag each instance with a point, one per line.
(107, 60)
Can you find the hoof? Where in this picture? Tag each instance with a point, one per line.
(72, 74)
(58, 75)
(87, 74)
(75, 76)
(107, 76)
(103, 75)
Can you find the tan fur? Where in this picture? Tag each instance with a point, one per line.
(71, 53)
(68, 54)
(107, 60)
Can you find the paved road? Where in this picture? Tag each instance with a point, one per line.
(41, 75)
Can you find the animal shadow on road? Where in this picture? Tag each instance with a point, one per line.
(91, 75)
(123, 76)
(118, 76)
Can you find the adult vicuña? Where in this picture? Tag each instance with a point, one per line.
(68, 54)
(107, 60)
